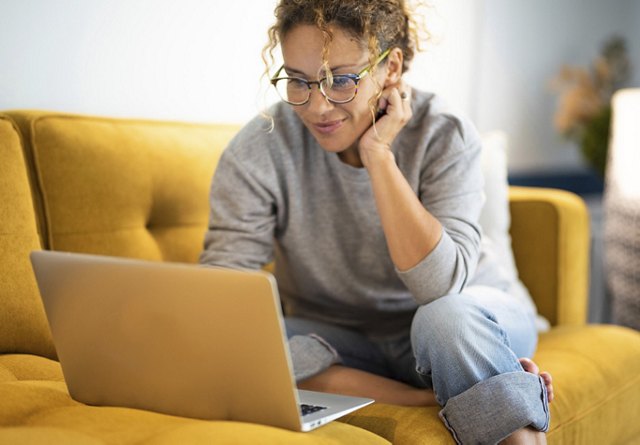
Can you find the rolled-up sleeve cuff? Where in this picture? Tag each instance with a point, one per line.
(436, 275)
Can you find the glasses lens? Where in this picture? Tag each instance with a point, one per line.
(340, 89)
(292, 90)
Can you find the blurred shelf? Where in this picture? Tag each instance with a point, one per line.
(581, 182)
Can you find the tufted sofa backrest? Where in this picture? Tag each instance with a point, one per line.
(23, 325)
(118, 187)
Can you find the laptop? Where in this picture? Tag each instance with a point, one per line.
(186, 340)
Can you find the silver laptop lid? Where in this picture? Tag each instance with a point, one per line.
(179, 339)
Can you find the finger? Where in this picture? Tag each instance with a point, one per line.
(405, 92)
(382, 102)
(399, 107)
(405, 95)
(388, 96)
(394, 98)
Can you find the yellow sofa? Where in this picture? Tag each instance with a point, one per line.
(139, 189)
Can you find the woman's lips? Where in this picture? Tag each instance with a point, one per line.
(328, 127)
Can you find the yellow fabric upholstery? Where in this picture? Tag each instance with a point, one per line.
(23, 325)
(140, 189)
(550, 239)
(597, 383)
(126, 188)
(35, 408)
(401, 424)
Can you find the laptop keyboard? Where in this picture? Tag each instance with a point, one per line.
(310, 409)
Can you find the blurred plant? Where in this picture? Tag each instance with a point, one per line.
(584, 106)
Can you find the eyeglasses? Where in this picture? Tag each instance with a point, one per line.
(339, 88)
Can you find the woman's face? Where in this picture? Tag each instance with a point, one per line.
(336, 127)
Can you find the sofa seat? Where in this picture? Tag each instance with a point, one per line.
(596, 382)
(39, 406)
(402, 425)
(36, 408)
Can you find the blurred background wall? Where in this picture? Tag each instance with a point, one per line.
(197, 60)
(522, 46)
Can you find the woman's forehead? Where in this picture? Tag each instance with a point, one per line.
(304, 45)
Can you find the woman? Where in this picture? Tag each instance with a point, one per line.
(367, 195)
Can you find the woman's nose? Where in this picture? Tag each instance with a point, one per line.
(317, 101)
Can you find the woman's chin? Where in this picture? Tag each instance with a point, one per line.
(348, 155)
(333, 148)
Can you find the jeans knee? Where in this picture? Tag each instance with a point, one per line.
(450, 329)
(447, 318)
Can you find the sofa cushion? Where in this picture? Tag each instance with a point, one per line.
(402, 425)
(23, 325)
(121, 187)
(35, 407)
(596, 383)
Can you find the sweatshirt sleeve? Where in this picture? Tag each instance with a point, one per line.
(242, 219)
(451, 189)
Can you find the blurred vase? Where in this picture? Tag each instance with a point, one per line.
(622, 209)
(594, 142)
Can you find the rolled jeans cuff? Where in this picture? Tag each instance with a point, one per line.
(311, 355)
(493, 409)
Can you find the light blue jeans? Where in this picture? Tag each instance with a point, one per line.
(464, 346)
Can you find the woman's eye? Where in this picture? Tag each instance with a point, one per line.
(296, 84)
(342, 82)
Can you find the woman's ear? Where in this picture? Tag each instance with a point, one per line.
(394, 67)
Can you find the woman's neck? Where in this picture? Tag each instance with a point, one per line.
(351, 156)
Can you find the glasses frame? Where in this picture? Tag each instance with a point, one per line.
(355, 77)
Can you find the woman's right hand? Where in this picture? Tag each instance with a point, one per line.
(376, 142)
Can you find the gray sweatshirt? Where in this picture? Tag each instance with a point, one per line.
(279, 196)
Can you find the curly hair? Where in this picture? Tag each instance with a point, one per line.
(378, 24)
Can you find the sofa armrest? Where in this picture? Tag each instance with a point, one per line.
(550, 239)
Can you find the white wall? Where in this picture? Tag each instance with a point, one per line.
(187, 60)
(198, 61)
(447, 65)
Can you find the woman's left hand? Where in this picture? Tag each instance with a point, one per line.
(376, 142)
